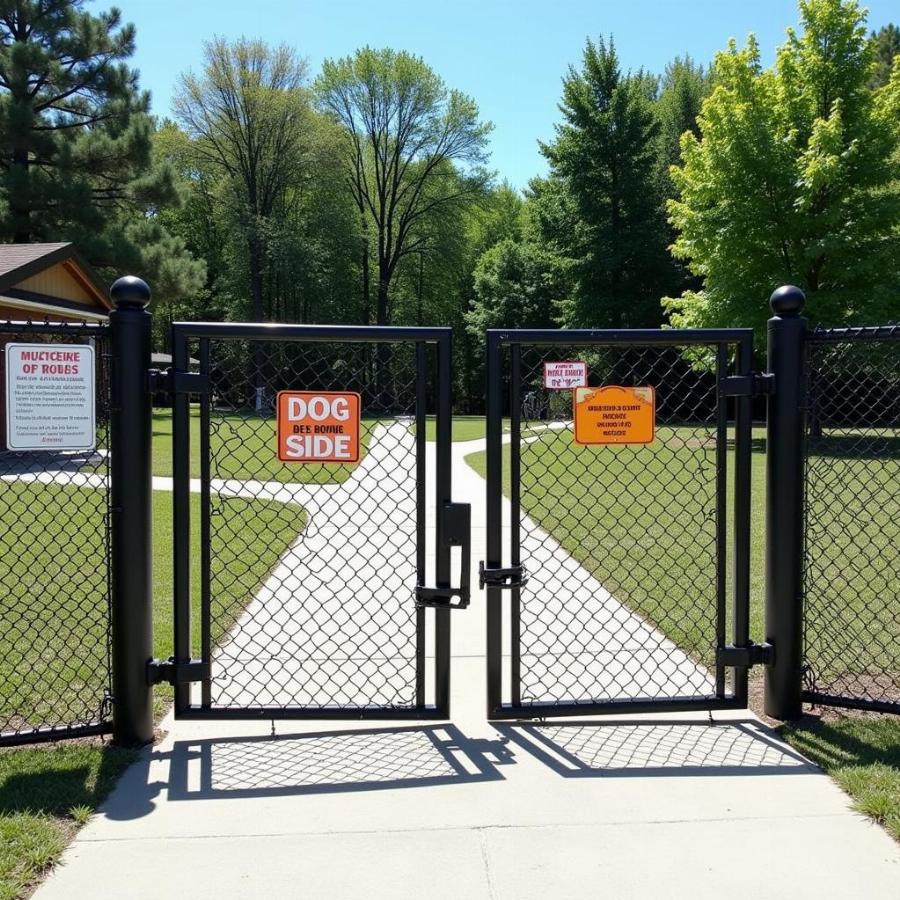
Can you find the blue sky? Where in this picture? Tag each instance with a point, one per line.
(510, 56)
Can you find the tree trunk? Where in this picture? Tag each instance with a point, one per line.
(21, 213)
(383, 357)
(256, 315)
(367, 300)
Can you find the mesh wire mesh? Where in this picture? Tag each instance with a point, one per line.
(620, 542)
(332, 623)
(54, 565)
(852, 545)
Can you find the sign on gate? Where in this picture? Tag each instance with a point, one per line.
(614, 415)
(50, 397)
(563, 376)
(315, 426)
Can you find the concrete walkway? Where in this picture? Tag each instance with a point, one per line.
(674, 805)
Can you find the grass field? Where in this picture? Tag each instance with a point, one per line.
(48, 674)
(464, 428)
(639, 519)
(244, 447)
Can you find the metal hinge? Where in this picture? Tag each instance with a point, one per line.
(510, 577)
(756, 384)
(171, 672)
(171, 382)
(745, 657)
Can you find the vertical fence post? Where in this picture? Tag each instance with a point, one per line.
(786, 433)
(131, 490)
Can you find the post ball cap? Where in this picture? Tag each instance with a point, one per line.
(788, 300)
(130, 291)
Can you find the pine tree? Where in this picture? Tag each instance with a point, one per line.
(605, 156)
(76, 157)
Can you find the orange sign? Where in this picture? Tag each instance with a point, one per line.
(614, 415)
(318, 427)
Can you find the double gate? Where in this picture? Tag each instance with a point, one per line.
(616, 577)
(314, 598)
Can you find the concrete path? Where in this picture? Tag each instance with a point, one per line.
(674, 805)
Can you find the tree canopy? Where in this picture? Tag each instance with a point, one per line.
(76, 159)
(793, 179)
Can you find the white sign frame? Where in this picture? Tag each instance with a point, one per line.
(552, 381)
(86, 407)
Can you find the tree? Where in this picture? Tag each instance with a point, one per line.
(248, 115)
(76, 143)
(885, 45)
(412, 148)
(793, 179)
(683, 87)
(604, 160)
(518, 284)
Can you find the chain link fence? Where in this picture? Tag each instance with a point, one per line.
(54, 566)
(331, 623)
(625, 545)
(852, 528)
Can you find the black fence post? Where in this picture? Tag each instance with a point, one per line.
(131, 490)
(786, 433)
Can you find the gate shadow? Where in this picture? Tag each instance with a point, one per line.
(641, 748)
(331, 762)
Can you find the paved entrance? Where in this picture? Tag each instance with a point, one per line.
(679, 804)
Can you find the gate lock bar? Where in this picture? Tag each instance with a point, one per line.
(745, 657)
(754, 385)
(456, 531)
(172, 382)
(171, 672)
(510, 577)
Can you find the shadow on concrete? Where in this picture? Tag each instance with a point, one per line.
(646, 747)
(311, 763)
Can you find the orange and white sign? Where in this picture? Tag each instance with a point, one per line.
(614, 415)
(563, 376)
(314, 426)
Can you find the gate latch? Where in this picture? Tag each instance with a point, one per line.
(510, 577)
(745, 657)
(169, 381)
(755, 384)
(456, 531)
(171, 672)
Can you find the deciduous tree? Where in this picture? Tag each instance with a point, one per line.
(793, 178)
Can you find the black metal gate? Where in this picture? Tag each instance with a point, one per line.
(615, 592)
(313, 598)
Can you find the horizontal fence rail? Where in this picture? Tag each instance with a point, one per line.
(55, 620)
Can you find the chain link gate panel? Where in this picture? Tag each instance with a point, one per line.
(54, 566)
(313, 599)
(616, 592)
(851, 616)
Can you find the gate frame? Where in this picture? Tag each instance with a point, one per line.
(182, 670)
(740, 655)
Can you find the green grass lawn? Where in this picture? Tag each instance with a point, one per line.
(639, 518)
(49, 675)
(244, 447)
(46, 793)
(862, 754)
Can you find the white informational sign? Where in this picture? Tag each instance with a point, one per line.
(564, 376)
(50, 397)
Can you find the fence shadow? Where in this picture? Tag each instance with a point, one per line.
(331, 762)
(664, 748)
